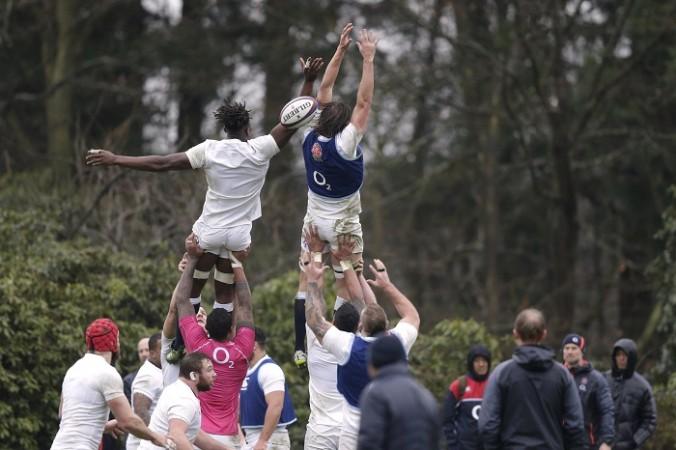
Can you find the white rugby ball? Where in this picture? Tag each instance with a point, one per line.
(298, 112)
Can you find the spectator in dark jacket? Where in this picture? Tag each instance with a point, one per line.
(597, 403)
(397, 412)
(635, 411)
(531, 401)
(463, 401)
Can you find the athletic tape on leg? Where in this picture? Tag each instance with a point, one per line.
(339, 302)
(201, 274)
(224, 277)
(229, 307)
(338, 272)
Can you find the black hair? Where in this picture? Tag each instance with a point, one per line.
(154, 341)
(346, 318)
(334, 117)
(261, 337)
(219, 323)
(192, 362)
(233, 116)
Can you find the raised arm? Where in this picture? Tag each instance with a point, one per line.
(170, 320)
(311, 68)
(367, 47)
(325, 94)
(243, 307)
(387, 289)
(181, 295)
(150, 163)
(131, 423)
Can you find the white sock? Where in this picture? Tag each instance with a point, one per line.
(226, 306)
(196, 300)
(300, 295)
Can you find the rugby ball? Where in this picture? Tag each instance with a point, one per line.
(298, 112)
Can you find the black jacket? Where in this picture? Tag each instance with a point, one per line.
(635, 411)
(462, 406)
(398, 413)
(531, 403)
(597, 404)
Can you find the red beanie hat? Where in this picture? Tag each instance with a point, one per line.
(101, 335)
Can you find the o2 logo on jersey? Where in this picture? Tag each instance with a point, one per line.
(320, 180)
(316, 152)
(475, 412)
(225, 359)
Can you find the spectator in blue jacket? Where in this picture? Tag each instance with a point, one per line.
(597, 403)
(463, 401)
(531, 401)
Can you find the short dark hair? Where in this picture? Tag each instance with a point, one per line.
(530, 325)
(334, 117)
(373, 320)
(219, 323)
(233, 116)
(260, 337)
(192, 362)
(154, 342)
(346, 318)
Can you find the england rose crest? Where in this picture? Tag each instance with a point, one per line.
(317, 152)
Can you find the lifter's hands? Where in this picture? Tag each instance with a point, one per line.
(381, 278)
(346, 244)
(311, 67)
(98, 157)
(192, 248)
(312, 239)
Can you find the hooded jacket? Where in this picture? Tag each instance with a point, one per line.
(531, 402)
(635, 410)
(597, 404)
(461, 409)
(398, 413)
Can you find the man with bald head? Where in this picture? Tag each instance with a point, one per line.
(531, 401)
(142, 351)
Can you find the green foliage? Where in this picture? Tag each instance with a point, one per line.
(49, 291)
(665, 435)
(440, 356)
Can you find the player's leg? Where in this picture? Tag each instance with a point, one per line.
(237, 240)
(299, 355)
(352, 227)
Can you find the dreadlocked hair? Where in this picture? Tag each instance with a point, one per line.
(233, 116)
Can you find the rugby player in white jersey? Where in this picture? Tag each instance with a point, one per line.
(178, 411)
(235, 169)
(350, 349)
(147, 387)
(91, 389)
(334, 166)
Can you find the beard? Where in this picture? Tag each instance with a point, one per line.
(202, 386)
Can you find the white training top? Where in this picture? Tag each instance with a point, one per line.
(329, 208)
(148, 382)
(326, 402)
(235, 172)
(177, 401)
(169, 371)
(339, 344)
(87, 388)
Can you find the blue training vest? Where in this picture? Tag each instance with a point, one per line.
(252, 402)
(353, 375)
(329, 174)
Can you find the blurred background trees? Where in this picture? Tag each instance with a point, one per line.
(520, 152)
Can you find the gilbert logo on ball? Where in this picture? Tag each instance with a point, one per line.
(298, 112)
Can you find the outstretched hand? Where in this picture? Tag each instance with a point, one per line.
(314, 272)
(381, 278)
(98, 157)
(192, 248)
(346, 244)
(345, 38)
(367, 45)
(312, 239)
(311, 67)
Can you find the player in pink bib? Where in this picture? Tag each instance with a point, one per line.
(229, 352)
